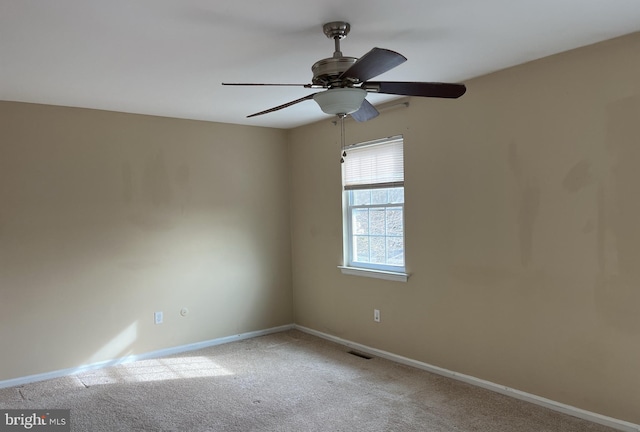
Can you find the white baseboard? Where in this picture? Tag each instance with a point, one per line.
(146, 356)
(528, 397)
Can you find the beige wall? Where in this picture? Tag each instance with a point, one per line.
(107, 217)
(523, 231)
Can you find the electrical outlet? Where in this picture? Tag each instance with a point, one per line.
(157, 317)
(376, 315)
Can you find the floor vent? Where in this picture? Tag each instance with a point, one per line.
(361, 355)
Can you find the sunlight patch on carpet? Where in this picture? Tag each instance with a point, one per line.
(156, 370)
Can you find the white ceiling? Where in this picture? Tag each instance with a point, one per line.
(169, 57)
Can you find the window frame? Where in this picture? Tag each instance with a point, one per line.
(357, 268)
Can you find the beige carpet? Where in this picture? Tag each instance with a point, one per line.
(288, 381)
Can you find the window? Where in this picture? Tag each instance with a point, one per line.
(373, 182)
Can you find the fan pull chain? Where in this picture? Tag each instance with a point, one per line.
(342, 145)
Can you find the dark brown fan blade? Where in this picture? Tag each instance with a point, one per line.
(373, 63)
(279, 107)
(424, 89)
(366, 112)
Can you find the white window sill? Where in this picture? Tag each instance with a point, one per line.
(378, 274)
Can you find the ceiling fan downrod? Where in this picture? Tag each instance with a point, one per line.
(336, 30)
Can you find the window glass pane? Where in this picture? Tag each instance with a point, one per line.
(394, 221)
(378, 250)
(361, 248)
(377, 221)
(396, 195)
(395, 251)
(379, 196)
(361, 197)
(377, 233)
(360, 221)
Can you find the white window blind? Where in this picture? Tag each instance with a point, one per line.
(373, 165)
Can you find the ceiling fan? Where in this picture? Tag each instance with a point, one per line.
(346, 80)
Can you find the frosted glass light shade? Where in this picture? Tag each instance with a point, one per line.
(340, 100)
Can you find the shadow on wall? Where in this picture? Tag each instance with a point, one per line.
(529, 204)
(617, 288)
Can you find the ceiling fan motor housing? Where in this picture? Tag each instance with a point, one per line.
(326, 72)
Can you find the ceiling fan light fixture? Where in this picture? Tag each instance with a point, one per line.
(340, 100)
